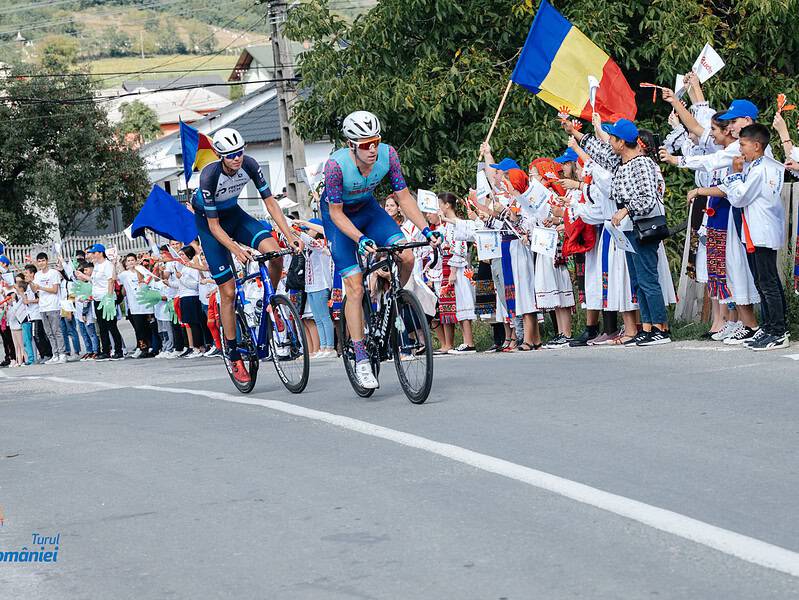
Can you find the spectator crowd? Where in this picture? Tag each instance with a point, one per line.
(584, 228)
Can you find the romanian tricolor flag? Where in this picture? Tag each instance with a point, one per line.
(196, 149)
(557, 60)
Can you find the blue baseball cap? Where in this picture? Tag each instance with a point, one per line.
(316, 221)
(96, 248)
(740, 108)
(506, 164)
(624, 129)
(568, 156)
(4, 260)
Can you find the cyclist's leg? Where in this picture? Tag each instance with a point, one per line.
(344, 252)
(258, 235)
(219, 264)
(385, 231)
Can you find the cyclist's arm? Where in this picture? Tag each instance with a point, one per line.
(253, 169)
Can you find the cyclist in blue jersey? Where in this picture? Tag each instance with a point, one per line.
(355, 222)
(222, 223)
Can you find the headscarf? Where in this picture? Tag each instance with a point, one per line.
(550, 172)
(518, 180)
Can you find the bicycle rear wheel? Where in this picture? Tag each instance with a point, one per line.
(288, 344)
(412, 347)
(246, 347)
(348, 352)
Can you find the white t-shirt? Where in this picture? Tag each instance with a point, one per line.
(206, 288)
(101, 274)
(130, 281)
(160, 309)
(34, 312)
(188, 282)
(318, 275)
(49, 301)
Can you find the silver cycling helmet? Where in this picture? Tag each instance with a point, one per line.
(360, 125)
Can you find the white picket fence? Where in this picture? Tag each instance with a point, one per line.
(21, 255)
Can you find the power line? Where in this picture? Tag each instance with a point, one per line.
(34, 6)
(89, 99)
(87, 74)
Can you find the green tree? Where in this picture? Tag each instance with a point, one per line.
(116, 42)
(140, 119)
(434, 71)
(57, 151)
(59, 53)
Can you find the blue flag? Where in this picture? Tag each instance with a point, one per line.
(189, 142)
(167, 217)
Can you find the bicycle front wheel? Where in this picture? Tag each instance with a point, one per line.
(288, 344)
(412, 347)
(246, 347)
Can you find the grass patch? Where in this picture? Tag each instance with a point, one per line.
(222, 65)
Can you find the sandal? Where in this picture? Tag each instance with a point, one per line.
(525, 347)
(621, 340)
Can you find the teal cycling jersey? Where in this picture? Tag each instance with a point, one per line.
(344, 183)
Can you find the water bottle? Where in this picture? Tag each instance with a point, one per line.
(259, 310)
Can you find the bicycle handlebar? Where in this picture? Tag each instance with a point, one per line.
(401, 247)
(267, 256)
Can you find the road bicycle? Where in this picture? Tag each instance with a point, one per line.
(269, 328)
(395, 327)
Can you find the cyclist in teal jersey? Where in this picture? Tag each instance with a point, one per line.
(355, 222)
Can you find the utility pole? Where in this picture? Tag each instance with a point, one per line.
(293, 146)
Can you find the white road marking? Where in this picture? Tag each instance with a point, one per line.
(791, 356)
(707, 348)
(734, 544)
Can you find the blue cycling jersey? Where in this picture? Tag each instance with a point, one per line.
(344, 183)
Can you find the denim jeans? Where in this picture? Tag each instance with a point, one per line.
(643, 266)
(70, 333)
(321, 315)
(89, 335)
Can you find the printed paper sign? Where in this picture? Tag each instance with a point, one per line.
(679, 85)
(313, 175)
(111, 253)
(708, 64)
(8, 278)
(619, 238)
(488, 244)
(593, 88)
(534, 199)
(544, 240)
(427, 201)
(69, 270)
(145, 273)
(483, 188)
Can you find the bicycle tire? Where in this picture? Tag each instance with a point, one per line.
(298, 348)
(348, 352)
(417, 394)
(249, 354)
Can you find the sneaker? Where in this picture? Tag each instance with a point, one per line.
(136, 353)
(84, 357)
(118, 356)
(44, 360)
(195, 354)
(641, 336)
(463, 349)
(364, 375)
(493, 348)
(91, 356)
(240, 374)
(53, 360)
(102, 357)
(169, 355)
(601, 340)
(559, 341)
(759, 334)
(183, 353)
(212, 352)
(742, 334)
(656, 338)
(581, 340)
(729, 329)
(73, 358)
(770, 342)
(62, 359)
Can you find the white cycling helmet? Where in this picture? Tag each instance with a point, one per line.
(227, 141)
(361, 125)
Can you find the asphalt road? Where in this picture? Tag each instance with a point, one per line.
(163, 484)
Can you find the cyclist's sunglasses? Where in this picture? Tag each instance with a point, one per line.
(367, 144)
(233, 155)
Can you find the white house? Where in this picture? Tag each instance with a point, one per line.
(257, 63)
(256, 117)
